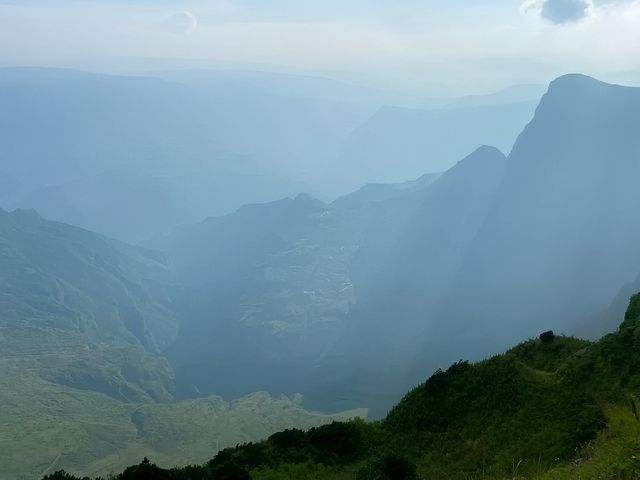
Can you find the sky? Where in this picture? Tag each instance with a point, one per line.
(431, 46)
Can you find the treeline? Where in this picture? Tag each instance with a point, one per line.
(334, 447)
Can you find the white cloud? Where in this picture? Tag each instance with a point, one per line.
(181, 23)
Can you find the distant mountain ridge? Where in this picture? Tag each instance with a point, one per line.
(379, 192)
(303, 286)
(451, 261)
(107, 143)
(347, 302)
(397, 143)
(134, 156)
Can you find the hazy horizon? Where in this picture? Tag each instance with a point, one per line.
(425, 48)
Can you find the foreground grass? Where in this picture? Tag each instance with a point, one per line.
(614, 454)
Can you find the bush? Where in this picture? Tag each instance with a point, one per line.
(389, 467)
(397, 467)
(338, 441)
(230, 471)
(293, 438)
(145, 471)
(548, 336)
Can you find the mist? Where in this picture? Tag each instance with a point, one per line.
(267, 240)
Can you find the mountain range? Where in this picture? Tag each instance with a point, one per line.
(347, 302)
(135, 156)
(369, 286)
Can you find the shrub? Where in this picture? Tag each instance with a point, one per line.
(548, 336)
(338, 441)
(389, 467)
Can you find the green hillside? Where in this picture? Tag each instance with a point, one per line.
(83, 381)
(45, 427)
(550, 408)
(83, 310)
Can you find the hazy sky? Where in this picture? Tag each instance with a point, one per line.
(463, 46)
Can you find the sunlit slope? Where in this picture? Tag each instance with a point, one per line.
(550, 408)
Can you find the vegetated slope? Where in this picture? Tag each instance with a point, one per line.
(84, 310)
(83, 383)
(266, 290)
(554, 407)
(307, 288)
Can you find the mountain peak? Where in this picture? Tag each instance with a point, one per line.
(573, 80)
(482, 169)
(573, 106)
(478, 161)
(575, 85)
(307, 199)
(485, 151)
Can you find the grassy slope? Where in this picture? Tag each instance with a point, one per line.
(82, 310)
(82, 386)
(560, 410)
(614, 454)
(555, 410)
